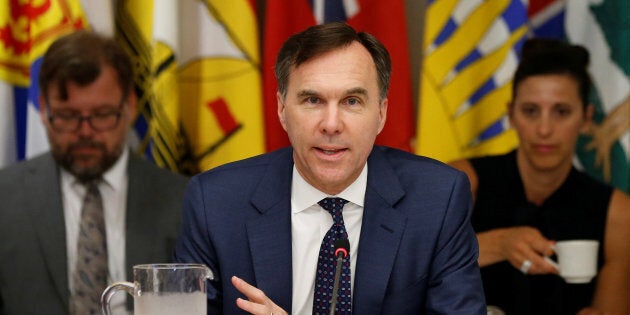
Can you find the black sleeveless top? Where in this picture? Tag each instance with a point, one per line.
(577, 210)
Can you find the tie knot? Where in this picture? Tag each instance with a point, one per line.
(334, 206)
(91, 185)
(92, 192)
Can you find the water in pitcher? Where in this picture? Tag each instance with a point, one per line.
(170, 304)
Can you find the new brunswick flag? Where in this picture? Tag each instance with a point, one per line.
(198, 80)
(220, 83)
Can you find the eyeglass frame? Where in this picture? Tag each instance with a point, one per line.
(87, 118)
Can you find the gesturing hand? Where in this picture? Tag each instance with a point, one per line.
(257, 302)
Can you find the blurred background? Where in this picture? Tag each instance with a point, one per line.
(204, 72)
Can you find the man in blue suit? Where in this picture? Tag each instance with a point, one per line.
(258, 225)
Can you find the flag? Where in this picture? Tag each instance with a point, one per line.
(197, 78)
(603, 27)
(148, 31)
(27, 28)
(470, 52)
(383, 19)
(220, 82)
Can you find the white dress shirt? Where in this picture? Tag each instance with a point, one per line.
(113, 190)
(309, 224)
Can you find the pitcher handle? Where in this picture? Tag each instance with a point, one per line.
(111, 290)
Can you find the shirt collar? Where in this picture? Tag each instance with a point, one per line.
(304, 195)
(117, 174)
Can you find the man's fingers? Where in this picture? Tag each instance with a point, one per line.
(251, 307)
(257, 302)
(251, 292)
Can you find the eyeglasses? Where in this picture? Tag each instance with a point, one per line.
(101, 120)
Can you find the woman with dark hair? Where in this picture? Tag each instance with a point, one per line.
(533, 196)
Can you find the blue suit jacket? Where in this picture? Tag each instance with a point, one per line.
(417, 252)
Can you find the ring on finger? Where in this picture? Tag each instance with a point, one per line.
(525, 266)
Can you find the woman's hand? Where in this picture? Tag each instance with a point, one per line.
(523, 247)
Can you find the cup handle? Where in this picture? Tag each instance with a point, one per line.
(552, 262)
(111, 290)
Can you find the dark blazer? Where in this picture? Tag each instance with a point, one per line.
(33, 262)
(417, 254)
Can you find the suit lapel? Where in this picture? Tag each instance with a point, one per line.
(381, 232)
(270, 234)
(139, 238)
(46, 212)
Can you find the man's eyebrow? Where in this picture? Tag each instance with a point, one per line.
(357, 90)
(352, 91)
(306, 93)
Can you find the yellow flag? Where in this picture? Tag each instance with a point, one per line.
(27, 28)
(470, 52)
(148, 30)
(220, 83)
(198, 79)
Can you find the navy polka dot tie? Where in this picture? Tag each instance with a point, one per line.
(325, 277)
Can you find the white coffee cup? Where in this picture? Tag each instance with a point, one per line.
(577, 260)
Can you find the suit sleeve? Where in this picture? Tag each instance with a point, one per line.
(194, 244)
(455, 281)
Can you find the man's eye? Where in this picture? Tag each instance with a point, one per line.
(352, 101)
(312, 100)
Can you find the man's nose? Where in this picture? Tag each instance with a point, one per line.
(331, 120)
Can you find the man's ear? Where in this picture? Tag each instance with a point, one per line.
(281, 110)
(382, 115)
(132, 107)
(42, 109)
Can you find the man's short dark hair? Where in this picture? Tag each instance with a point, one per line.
(79, 58)
(323, 38)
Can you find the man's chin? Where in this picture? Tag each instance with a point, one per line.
(86, 172)
(86, 161)
(86, 167)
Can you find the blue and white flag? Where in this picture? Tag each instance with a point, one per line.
(470, 52)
